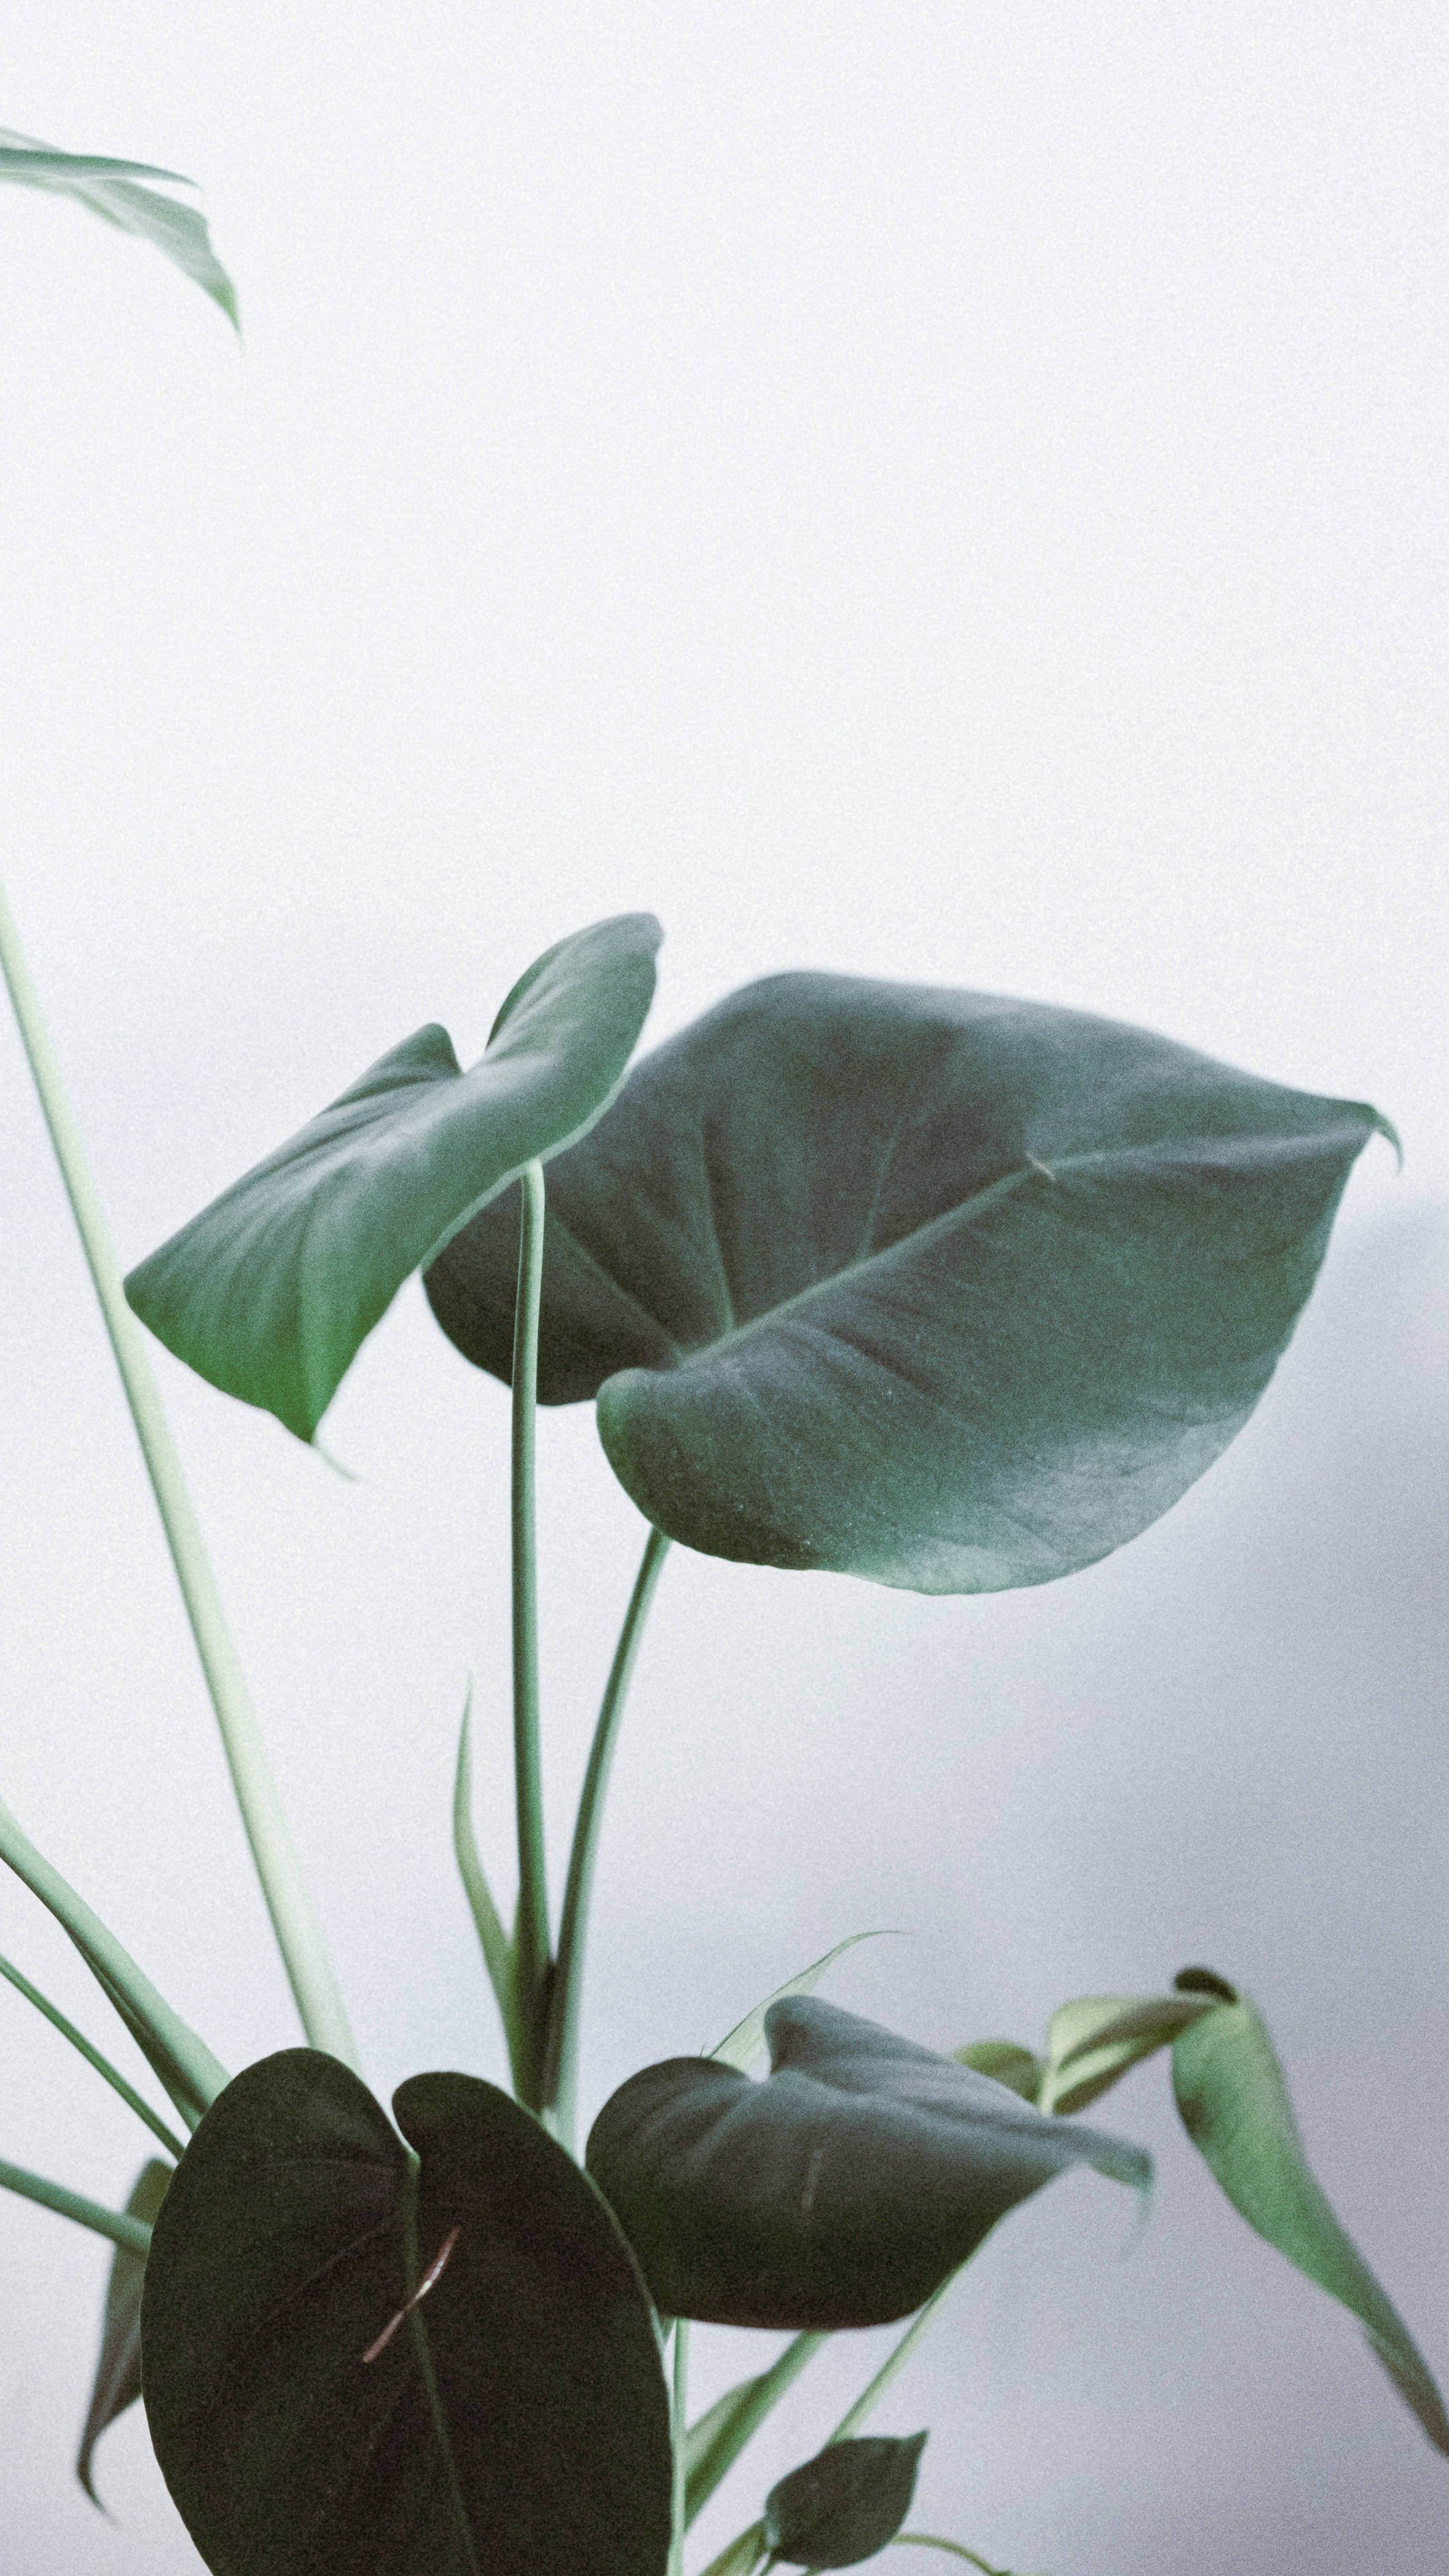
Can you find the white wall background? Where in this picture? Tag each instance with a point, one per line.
(950, 492)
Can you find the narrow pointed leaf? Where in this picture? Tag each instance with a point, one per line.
(948, 1291)
(1235, 2108)
(1094, 2041)
(741, 2556)
(272, 1290)
(111, 189)
(741, 2046)
(840, 2192)
(1007, 2062)
(118, 2371)
(517, 2416)
(845, 2504)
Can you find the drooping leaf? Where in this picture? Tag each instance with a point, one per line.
(1092, 2042)
(1235, 2108)
(111, 189)
(846, 2503)
(841, 2191)
(741, 2046)
(1007, 2062)
(272, 1290)
(516, 2417)
(118, 2371)
(948, 1291)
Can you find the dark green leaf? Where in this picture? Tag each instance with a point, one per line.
(1235, 2108)
(952, 1292)
(840, 2192)
(1092, 2043)
(111, 191)
(271, 1291)
(845, 2504)
(1006, 2062)
(118, 2371)
(517, 2418)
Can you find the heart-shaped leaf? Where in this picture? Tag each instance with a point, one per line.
(111, 190)
(1235, 2108)
(118, 2371)
(845, 2504)
(272, 1290)
(952, 1292)
(1092, 2042)
(514, 2417)
(840, 2192)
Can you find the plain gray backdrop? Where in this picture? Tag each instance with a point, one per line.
(943, 492)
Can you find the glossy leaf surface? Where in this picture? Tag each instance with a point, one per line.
(272, 1290)
(516, 2418)
(846, 2503)
(840, 2192)
(1235, 2108)
(118, 2371)
(113, 191)
(949, 1291)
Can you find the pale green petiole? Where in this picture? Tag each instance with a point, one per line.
(678, 2419)
(561, 2068)
(184, 2063)
(953, 2549)
(876, 2388)
(532, 1957)
(93, 2057)
(497, 1949)
(298, 1935)
(133, 2233)
(726, 2429)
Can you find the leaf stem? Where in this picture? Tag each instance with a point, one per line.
(293, 1921)
(122, 2229)
(561, 2068)
(876, 2389)
(93, 2057)
(954, 2549)
(497, 1950)
(678, 2419)
(753, 2403)
(532, 1958)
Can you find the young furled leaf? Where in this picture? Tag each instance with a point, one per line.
(845, 2504)
(349, 2367)
(1092, 2042)
(952, 1292)
(1235, 2108)
(118, 2371)
(272, 1290)
(111, 189)
(841, 2191)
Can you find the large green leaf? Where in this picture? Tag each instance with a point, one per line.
(271, 1291)
(840, 2192)
(118, 2370)
(111, 189)
(1235, 2108)
(953, 1292)
(517, 2418)
(846, 2503)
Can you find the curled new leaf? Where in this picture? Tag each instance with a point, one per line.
(845, 2504)
(1092, 2042)
(118, 2370)
(949, 1291)
(312, 2413)
(272, 1290)
(1235, 2108)
(841, 2191)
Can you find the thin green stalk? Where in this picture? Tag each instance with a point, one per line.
(122, 2229)
(293, 1921)
(678, 2419)
(561, 2069)
(93, 2057)
(532, 1958)
(927, 2540)
(877, 2387)
(751, 2404)
(497, 1949)
(742, 2556)
(184, 2063)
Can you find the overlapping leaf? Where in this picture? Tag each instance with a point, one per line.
(1235, 2107)
(841, 2191)
(118, 2370)
(845, 2504)
(1093, 2041)
(271, 1291)
(113, 191)
(515, 2417)
(949, 1291)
